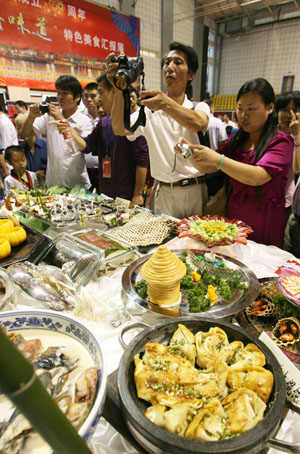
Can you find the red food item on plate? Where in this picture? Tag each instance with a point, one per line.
(96, 240)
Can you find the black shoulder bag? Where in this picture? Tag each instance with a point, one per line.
(214, 181)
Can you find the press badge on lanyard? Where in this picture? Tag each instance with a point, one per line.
(106, 167)
(106, 162)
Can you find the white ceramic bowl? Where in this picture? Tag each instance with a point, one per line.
(59, 323)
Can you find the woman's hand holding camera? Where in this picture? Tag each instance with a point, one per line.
(203, 158)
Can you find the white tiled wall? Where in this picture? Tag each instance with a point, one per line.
(149, 12)
(109, 3)
(183, 21)
(269, 51)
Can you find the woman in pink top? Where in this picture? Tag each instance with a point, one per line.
(257, 160)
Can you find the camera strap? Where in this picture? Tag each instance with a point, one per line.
(141, 120)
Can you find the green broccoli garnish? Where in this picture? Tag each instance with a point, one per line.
(208, 278)
(286, 308)
(199, 303)
(224, 290)
(141, 289)
(186, 282)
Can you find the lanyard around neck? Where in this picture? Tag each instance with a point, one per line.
(108, 133)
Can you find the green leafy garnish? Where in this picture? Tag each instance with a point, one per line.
(141, 289)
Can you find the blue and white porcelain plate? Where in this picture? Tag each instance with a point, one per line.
(59, 323)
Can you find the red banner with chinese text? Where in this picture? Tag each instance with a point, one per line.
(42, 39)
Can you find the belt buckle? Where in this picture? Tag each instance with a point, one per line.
(185, 182)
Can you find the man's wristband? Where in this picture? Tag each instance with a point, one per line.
(221, 162)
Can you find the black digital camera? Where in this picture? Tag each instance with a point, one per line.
(44, 108)
(129, 70)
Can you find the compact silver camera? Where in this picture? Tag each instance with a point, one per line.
(186, 151)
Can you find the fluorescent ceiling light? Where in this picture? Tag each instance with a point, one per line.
(249, 2)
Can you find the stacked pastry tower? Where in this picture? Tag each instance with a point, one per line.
(163, 272)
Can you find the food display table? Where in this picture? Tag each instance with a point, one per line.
(103, 313)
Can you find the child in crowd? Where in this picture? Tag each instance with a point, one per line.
(19, 176)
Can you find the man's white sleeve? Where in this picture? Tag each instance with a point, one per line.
(40, 125)
(205, 108)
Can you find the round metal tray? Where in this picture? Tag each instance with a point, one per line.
(137, 306)
(257, 325)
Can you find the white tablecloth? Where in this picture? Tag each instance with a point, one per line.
(102, 299)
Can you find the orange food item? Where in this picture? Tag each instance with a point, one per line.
(15, 235)
(5, 248)
(8, 204)
(6, 223)
(195, 276)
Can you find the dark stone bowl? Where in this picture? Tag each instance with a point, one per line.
(157, 440)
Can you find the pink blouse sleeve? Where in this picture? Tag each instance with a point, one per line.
(278, 156)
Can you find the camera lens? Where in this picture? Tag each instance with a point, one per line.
(120, 81)
(129, 70)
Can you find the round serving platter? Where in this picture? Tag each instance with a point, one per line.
(138, 306)
(255, 325)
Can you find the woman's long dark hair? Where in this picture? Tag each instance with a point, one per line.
(263, 88)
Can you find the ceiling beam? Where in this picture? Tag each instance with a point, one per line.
(297, 5)
(224, 10)
(269, 8)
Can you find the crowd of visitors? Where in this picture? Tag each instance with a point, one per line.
(254, 155)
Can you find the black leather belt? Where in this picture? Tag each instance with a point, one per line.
(185, 182)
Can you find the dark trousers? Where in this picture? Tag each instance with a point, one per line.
(94, 179)
(292, 235)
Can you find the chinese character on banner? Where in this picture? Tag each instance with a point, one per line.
(96, 41)
(42, 33)
(121, 47)
(68, 34)
(87, 39)
(104, 43)
(71, 11)
(112, 46)
(78, 38)
(81, 14)
(1, 20)
(36, 3)
(21, 23)
(11, 20)
(41, 24)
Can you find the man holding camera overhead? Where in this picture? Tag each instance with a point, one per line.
(182, 191)
(63, 168)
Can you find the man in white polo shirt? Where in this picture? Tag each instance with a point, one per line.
(181, 190)
(63, 168)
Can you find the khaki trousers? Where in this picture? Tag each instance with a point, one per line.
(181, 201)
